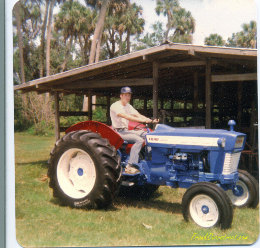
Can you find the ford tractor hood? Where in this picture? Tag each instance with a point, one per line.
(192, 138)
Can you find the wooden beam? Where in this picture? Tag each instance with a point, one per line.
(57, 116)
(195, 96)
(155, 88)
(208, 94)
(183, 64)
(239, 105)
(107, 83)
(195, 91)
(234, 77)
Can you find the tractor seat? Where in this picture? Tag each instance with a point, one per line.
(125, 145)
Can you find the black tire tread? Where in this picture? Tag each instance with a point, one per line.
(210, 189)
(106, 155)
(255, 199)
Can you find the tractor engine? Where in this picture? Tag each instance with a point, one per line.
(184, 156)
(185, 161)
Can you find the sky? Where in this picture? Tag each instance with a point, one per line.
(212, 16)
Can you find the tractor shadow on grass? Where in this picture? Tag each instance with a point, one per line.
(135, 202)
(151, 203)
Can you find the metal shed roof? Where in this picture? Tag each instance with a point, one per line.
(136, 69)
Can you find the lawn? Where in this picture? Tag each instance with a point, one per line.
(42, 221)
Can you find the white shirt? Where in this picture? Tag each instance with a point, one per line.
(118, 108)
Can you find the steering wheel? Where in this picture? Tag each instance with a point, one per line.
(144, 128)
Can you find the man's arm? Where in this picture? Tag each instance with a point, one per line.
(142, 117)
(137, 118)
(134, 118)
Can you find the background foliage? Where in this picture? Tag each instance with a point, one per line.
(46, 43)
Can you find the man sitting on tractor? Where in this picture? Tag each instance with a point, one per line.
(121, 112)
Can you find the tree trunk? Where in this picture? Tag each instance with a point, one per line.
(17, 9)
(43, 30)
(48, 43)
(98, 48)
(64, 64)
(128, 41)
(168, 28)
(98, 30)
(120, 44)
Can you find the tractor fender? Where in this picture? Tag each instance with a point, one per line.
(97, 127)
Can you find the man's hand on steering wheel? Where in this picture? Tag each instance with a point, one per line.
(148, 120)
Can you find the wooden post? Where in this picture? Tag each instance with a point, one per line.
(172, 105)
(57, 115)
(239, 105)
(155, 89)
(195, 98)
(208, 94)
(162, 103)
(145, 104)
(108, 110)
(89, 106)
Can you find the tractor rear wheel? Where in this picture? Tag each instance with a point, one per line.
(84, 170)
(207, 205)
(246, 193)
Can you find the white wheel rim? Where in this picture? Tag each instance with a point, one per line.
(204, 211)
(239, 200)
(76, 173)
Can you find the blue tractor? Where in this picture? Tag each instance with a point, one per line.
(87, 169)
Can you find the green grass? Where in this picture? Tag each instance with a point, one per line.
(42, 221)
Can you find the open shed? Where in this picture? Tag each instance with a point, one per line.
(213, 84)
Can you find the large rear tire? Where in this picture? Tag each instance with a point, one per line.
(246, 193)
(84, 170)
(207, 205)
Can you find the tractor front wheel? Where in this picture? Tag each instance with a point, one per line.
(246, 192)
(84, 170)
(207, 205)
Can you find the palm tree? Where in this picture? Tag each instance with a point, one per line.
(86, 30)
(110, 34)
(104, 5)
(179, 20)
(214, 40)
(48, 36)
(184, 25)
(112, 6)
(168, 8)
(132, 22)
(71, 21)
(99, 26)
(249, 31)
(43, 32)
(244, 38)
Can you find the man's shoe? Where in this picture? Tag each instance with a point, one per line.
(129, 169)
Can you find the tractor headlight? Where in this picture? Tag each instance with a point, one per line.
(239, 141)
(221, 142)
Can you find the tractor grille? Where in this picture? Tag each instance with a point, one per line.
(231, 163)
